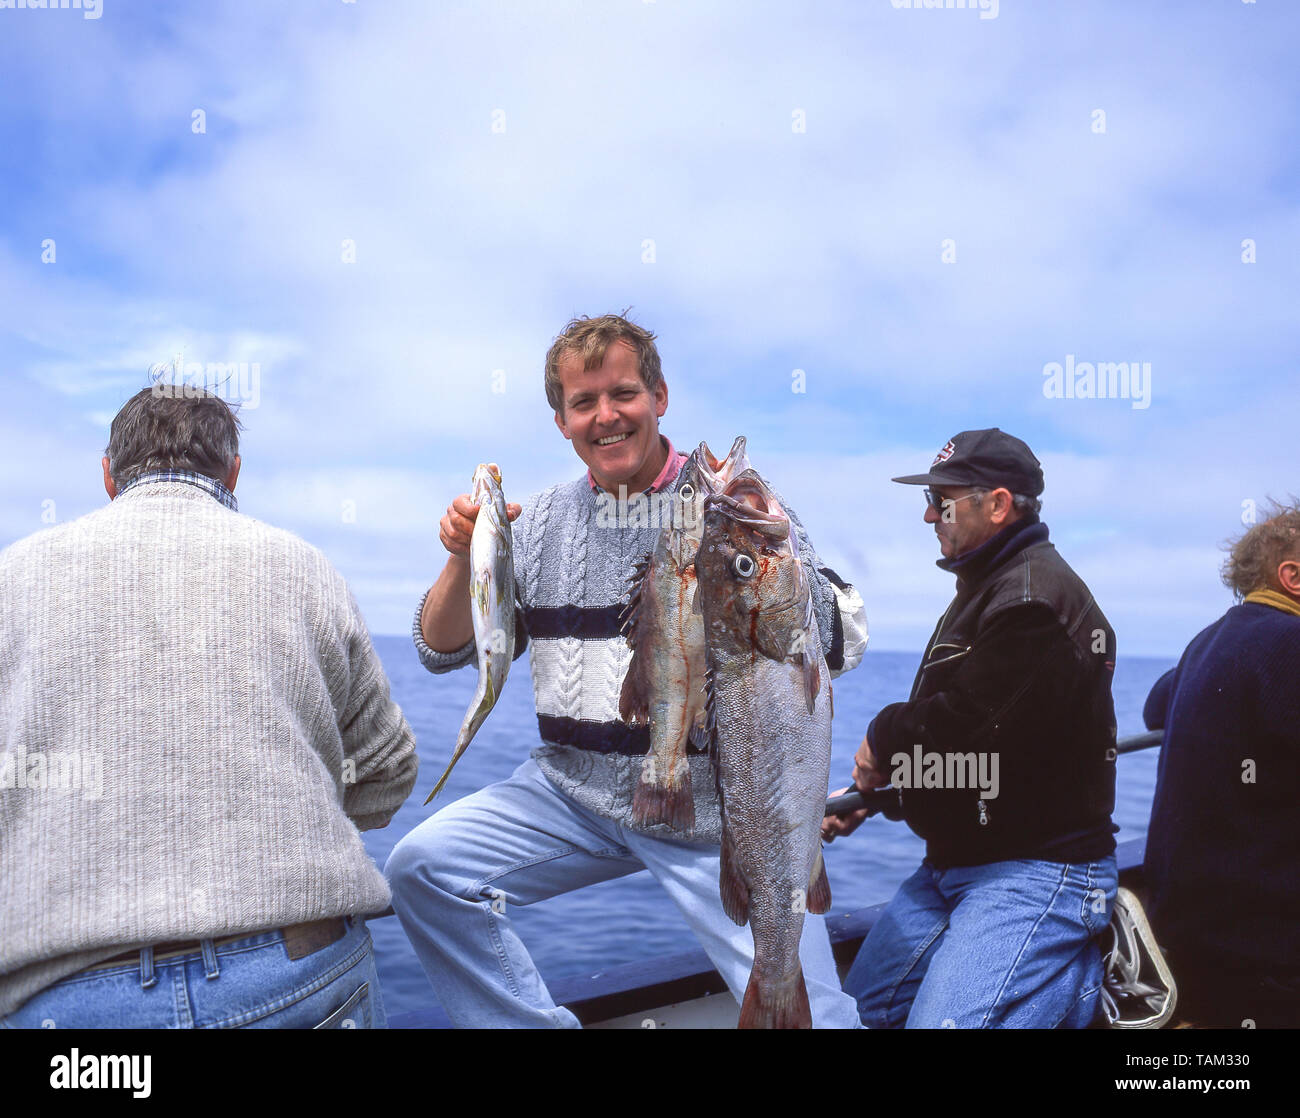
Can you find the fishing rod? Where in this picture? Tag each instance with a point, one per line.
(884, 801)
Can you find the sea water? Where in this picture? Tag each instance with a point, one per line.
(630, 919)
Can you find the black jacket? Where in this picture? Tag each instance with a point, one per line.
(1018, 675)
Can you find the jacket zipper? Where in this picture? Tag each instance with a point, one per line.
(962, 650)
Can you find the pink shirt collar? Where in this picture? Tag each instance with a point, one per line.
(672, 467)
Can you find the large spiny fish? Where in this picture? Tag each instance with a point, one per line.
(664, 685)
(492, 605)
(770, 718)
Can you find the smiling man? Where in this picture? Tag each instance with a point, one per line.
(1004, 760)
(564, 818)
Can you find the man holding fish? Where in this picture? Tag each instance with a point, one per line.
(623, 779)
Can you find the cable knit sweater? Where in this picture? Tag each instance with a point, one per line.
(193, 726)
(571, 568)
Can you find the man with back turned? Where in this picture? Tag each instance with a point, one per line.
(216, 676)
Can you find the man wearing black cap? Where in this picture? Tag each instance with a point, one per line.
(1004, 761)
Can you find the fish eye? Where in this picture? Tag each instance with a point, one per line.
(686, 492)
(743, 565)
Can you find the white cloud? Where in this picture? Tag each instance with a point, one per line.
(774, 250)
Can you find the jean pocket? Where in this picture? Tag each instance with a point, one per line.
(1098, 900)
(353, 1013)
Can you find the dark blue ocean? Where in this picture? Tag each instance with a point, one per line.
(630, 919)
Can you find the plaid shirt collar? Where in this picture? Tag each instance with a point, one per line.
(210, 486)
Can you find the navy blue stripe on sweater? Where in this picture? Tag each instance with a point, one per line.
(595, 623)
(588, 623)
(599, 737)
(835, 654)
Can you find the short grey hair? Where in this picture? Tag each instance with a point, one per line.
(172, 427)
(1021, 502)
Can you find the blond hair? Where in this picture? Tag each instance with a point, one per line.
(1253, 559)
(590, 338)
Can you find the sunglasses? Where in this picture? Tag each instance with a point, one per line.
(940, 503)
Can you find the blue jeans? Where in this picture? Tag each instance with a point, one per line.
(1003, 945)
(520, 841)
(248, 983)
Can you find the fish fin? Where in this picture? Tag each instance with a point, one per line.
(785, 1008)
(711, 722)
(700, 734)
(673, 804)
(735, 893)
(697, 606)
(812, 679)
(634, 698)
(819, 888)
(771, 635)
(632, 608)
(812, 656)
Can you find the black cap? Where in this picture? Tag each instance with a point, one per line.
(989, 459)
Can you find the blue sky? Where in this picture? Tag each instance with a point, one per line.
(798, 168)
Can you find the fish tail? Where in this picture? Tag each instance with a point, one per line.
(819, 888)
(483, 702)
(785, 1007)
(673, 804)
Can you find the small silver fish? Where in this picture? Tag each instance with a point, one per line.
(492, 605)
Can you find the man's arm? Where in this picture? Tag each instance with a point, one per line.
(445, 622)
(1156, 711)
(379, 757)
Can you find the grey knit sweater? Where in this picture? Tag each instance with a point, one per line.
(194, 726)
(571, 568)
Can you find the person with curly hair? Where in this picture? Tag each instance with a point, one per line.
(1223, 852)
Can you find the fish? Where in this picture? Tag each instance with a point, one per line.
(769, 720)
(719, 473)
(664, 684)
(492, 605)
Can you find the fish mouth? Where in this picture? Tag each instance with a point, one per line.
(485, 478)
(748, 502)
